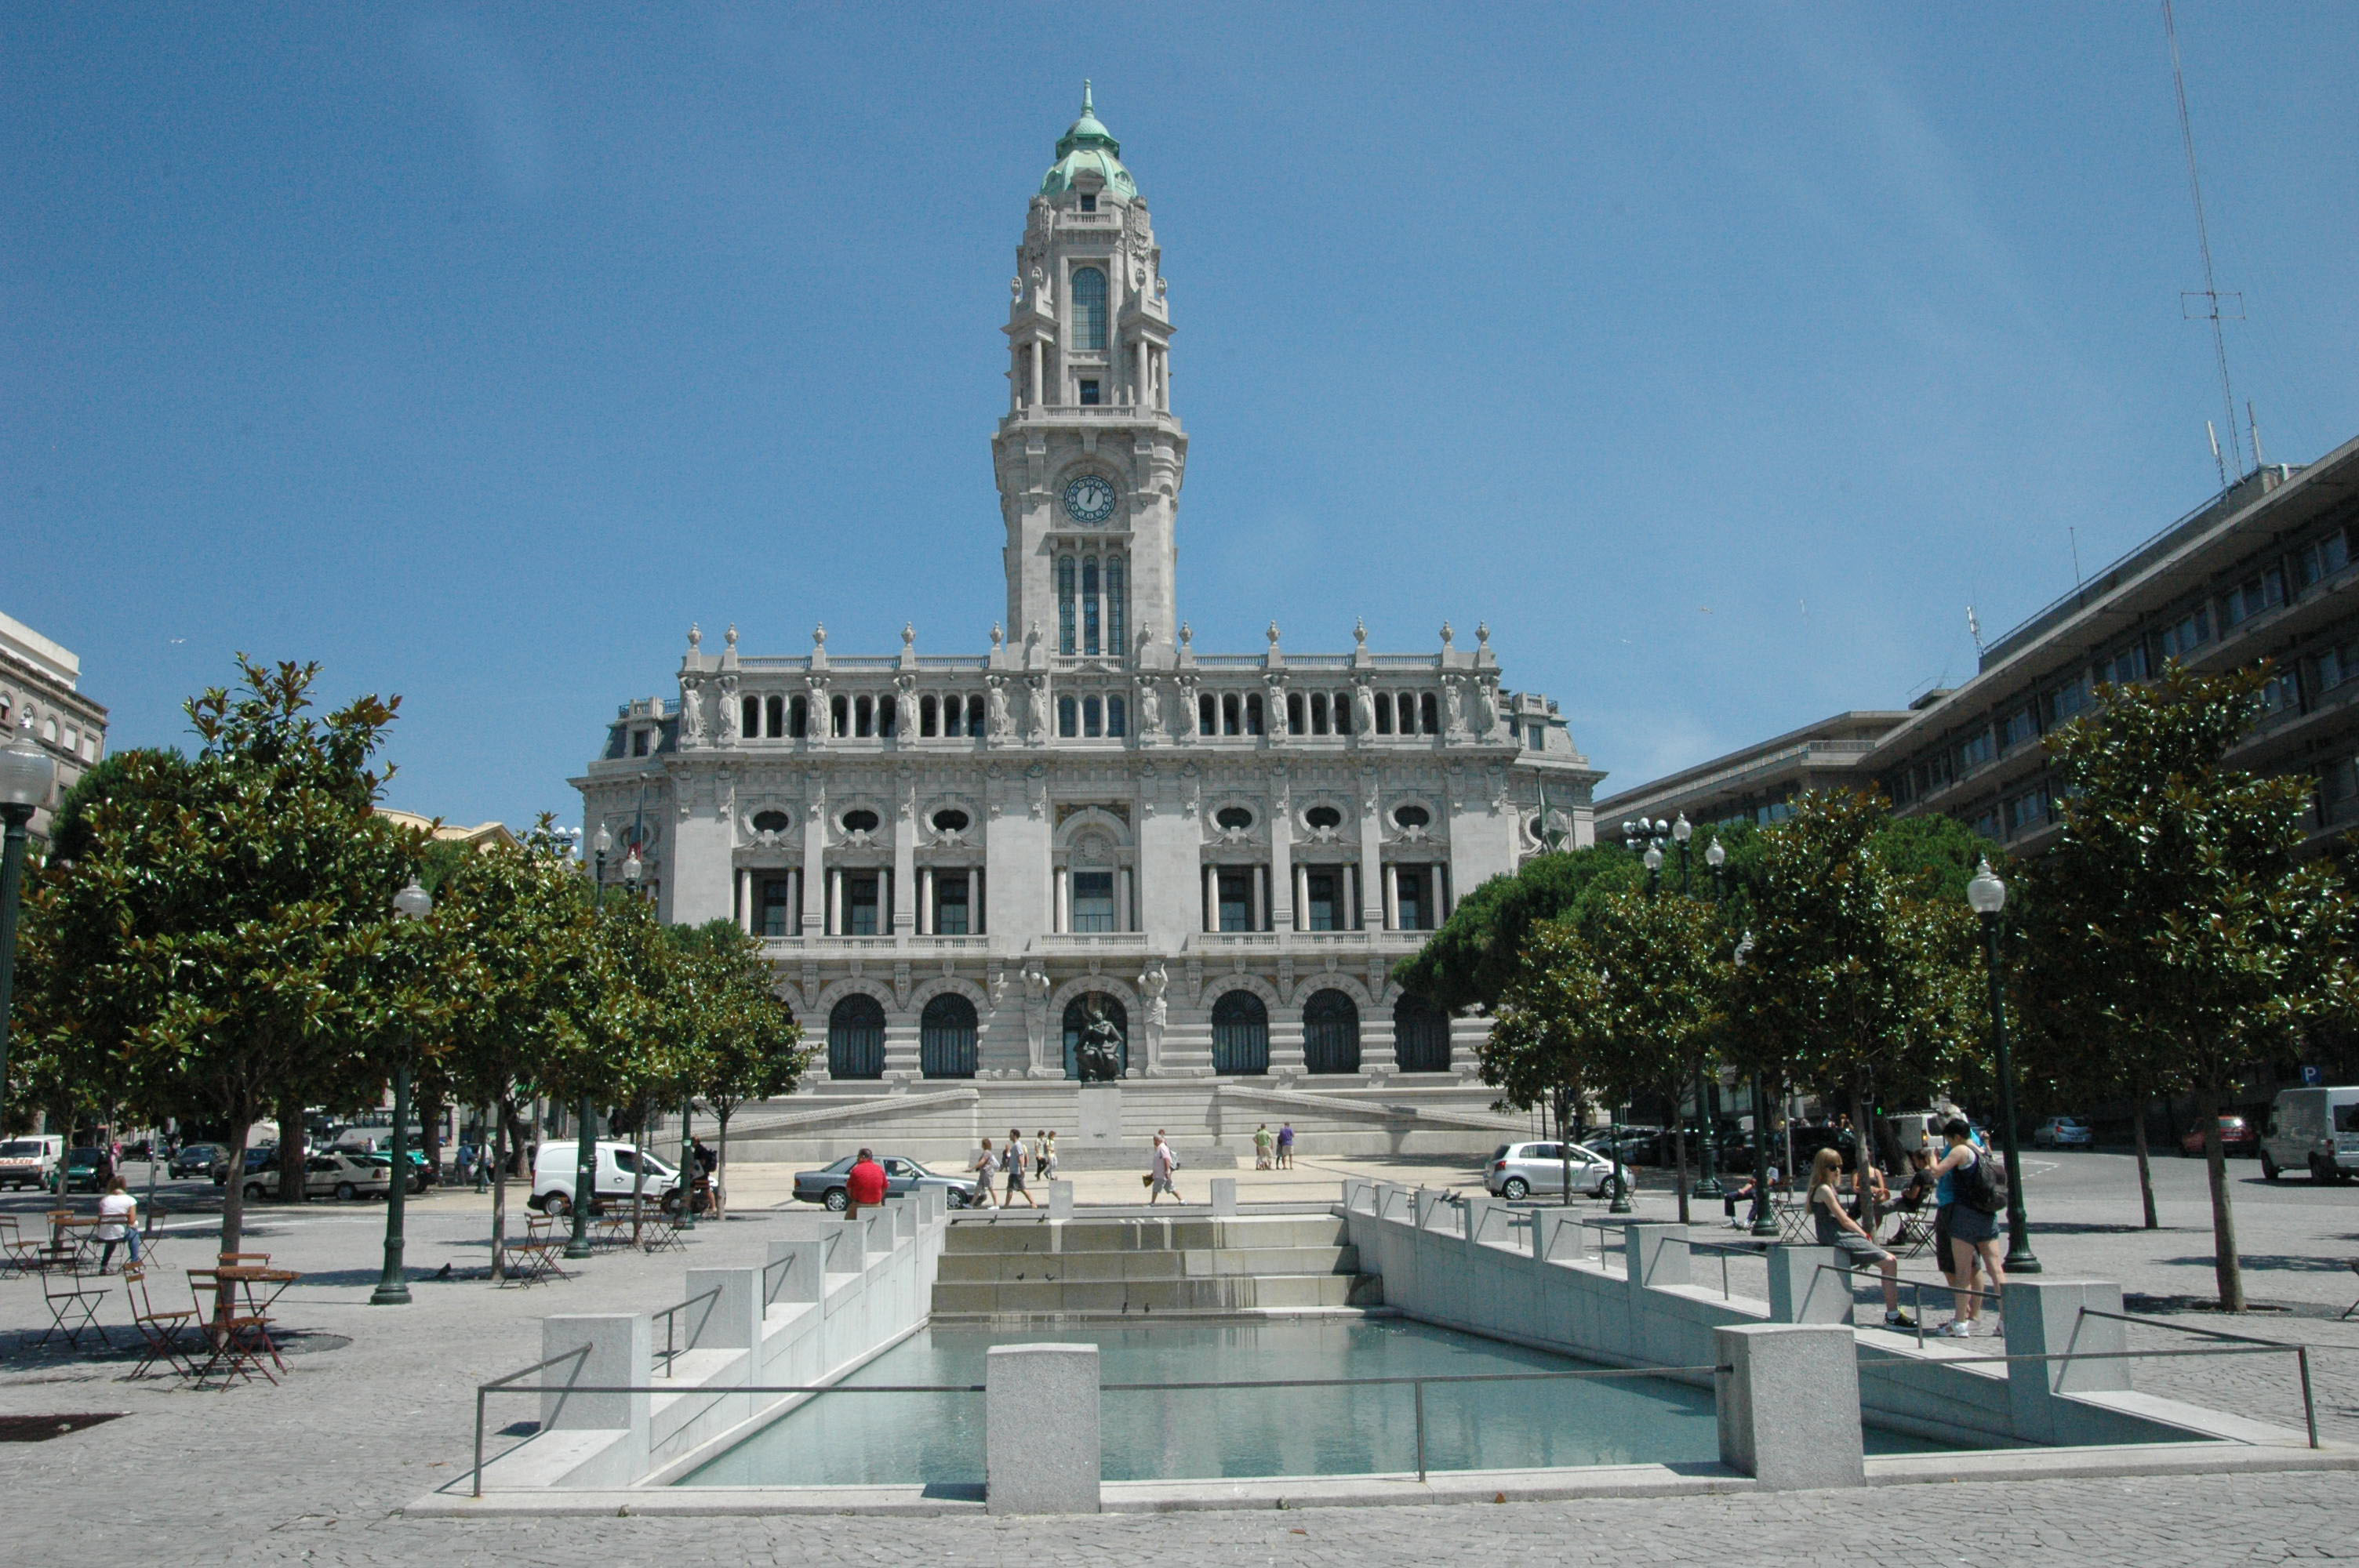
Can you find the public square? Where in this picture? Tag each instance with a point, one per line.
(377, 1409)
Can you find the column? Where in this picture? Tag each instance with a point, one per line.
(835, 901)
(746, 900)
(1144, 391)
(1062, 920)
(812, 889)
(976, 920)
(925, 901)
(1212, 898)
(1283, 899)
(1037, 398)
(1122, 919)
(1259, 920)
(795, 906)
(1352, 881)
(1392, 897)
(1302, 897)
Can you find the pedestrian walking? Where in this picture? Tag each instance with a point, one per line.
(863, 1186)
(1049, 1154)
(984, 1165)
(1286, 1146)
(1040, 1155)
(464, 1168)
(1971, 1195)
(1011, 1166)
(1161, 1163)
(1838, 1229)
(1263, 1144)
(118, 1218)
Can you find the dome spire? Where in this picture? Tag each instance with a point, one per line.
(1087, 144)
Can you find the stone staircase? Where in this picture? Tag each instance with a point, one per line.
(1136, 1267)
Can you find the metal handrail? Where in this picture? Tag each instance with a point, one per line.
(1728, 1250)
(768, 1289)
(1917, 1288)
(1418, 1383)
(670, 1316)
(500, 1385)
(2256, 1348)
(2301, 1352)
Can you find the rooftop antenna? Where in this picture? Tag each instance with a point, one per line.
(2074, 536)
(2209, 292)
(1974, 629)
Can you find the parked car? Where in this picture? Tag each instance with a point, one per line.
(380, 1143)
(195, 1160)
(30, 1162)
(331, 1171)
(82, 1168)
(1519, 1170)
(901, 1175)
(2315, 1130)
(2064, 1132)
(255, 1159)
(2237, 1137)
(618, 1174)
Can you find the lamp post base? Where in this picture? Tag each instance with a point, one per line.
(390, 1296)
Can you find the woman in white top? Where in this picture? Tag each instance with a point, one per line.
(987, 1165)
(1158, 1180)
(118, 1224)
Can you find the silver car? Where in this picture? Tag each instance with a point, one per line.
(1519, 1170)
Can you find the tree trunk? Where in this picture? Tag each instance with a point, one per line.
(1679, 1159)
(1864, 1146)
(638, 1171)
(520, 1140)
(720, 1165)
(2145, 1162)
(291, 1185)
(2225, 1265)
(501, 1115)
(233, 1178)
(429, 1133)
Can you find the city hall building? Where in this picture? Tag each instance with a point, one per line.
(954, 862)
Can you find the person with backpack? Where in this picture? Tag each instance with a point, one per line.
(1971, 1189)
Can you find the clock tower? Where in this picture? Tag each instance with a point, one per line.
(1090, 458)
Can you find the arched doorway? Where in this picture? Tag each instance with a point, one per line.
(1240, 1034)
(855, 1038)
(1077, 1019)
(946, 1037)
(1420, 1035)
(1330, 1033)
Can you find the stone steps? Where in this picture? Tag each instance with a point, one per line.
(1123, 1267)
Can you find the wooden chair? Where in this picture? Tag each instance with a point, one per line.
(161, 1330)
(246, 1259)
(2354, 1264)
(19, 1253)
(73, 1309)
(238, 1342)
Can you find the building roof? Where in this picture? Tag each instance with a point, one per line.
(1088, 147)
(29, 647)
(484, 835)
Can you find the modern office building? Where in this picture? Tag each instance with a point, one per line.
(956, 860)
(41, 681)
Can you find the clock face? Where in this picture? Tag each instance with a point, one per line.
(1089, 499)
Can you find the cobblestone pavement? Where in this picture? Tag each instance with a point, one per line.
(378, 1405)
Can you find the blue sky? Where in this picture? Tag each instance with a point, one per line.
(1716, 356)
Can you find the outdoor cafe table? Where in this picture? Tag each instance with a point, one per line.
(260, 1286)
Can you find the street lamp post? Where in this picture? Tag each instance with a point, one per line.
(1764, 1219)
(1708, 1087)
(585, 1161)
(410, 904)
(1987, 896)
(27, 775)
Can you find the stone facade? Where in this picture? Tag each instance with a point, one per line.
(40, 680)
(954, 860)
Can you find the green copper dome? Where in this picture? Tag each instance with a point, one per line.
(1088, 147)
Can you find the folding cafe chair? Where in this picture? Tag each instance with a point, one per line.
(73, 1309)
(161, 1330)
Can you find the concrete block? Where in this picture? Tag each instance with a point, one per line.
(2044, 1318)
(796, 1272)
(1061, 1200)
(1656, 1253)
(617, 1352)
(1804, 1289)
(1040, 1429)
(1224, 1196)
(1788, 1404)
(728, 1320)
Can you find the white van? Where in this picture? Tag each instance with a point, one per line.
(2315, 1130)
(619, 1166)
(30, 1161)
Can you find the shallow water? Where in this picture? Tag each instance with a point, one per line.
(937, 1439)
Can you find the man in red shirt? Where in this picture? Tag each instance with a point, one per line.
(865, 1186)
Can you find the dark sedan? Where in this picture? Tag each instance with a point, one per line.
(195, 1160)
(826, 1185)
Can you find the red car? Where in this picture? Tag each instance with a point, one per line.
(2237, 1137)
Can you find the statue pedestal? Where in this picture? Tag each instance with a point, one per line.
(1100, 1115)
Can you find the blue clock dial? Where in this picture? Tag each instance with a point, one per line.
(1089, 499)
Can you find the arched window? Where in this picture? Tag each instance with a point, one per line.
(1117, 622)
(749, 716)
(1068, 725)
(1207, 719)
(928, 716)
(887, 717)
(838, 712)
(1428, 712)
(1093, 716)
(1421, 1036)
(798, 717)
(1343, 714)
(1330, 1033)
(946, 1038)
(1117, 722)
(1240, 1034)
(1077, 1019)
(1064, 604)
(974, 720)
(1090, 308)
(856, 1039)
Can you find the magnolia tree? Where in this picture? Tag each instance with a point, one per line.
(2173, 911)
(747, 1044)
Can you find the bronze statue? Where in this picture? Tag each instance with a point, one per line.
(1097, 1057)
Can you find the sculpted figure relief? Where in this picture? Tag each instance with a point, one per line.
(998, 708)
(1364, 710)
(1150, 710)
(1097, 1058)
(728, 725)
(691, 712)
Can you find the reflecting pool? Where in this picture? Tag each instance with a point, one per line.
(937, 1439)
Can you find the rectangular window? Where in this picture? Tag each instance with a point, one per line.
(638, 742)
(1323, 899)
(1093, 716)
(2250, 597)
(2021, 725)
(2338, 790)
(1089, 392)
(1064, 604)
(1540, 737)
(1986, 823)
(1116, 589)
(1975, 750)
(1093, 901)
(2067, 701)
(1089, 604)
(1414, 906)
(776, 916)
(951, 904)
(860, 903)
(2124, 667)
(1118, 721)
(1068, 723)
(2188, 633)
(1089, 203)
(2322, 558)
(2281, 692)
(2026, 811)
(2333, 666)
(1383, 713)
(1236, 886)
